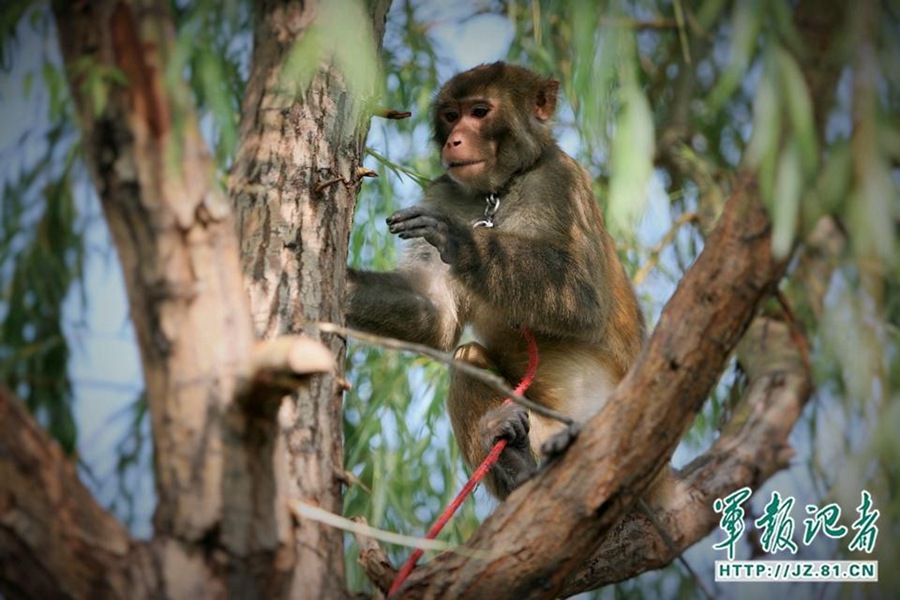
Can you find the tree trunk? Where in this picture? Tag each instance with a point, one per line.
(224, 475)
(179, 254)
(294, 238)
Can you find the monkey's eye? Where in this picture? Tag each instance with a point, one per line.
(480, 112)
(451, 116)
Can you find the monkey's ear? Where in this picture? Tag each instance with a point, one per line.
(545, 104)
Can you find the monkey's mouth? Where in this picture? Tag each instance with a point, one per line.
(463, 163)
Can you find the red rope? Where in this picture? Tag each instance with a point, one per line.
(477, 475)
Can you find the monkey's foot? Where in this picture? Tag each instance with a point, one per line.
(557, 445)
(517, 462)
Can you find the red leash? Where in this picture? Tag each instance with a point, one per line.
(477, 475)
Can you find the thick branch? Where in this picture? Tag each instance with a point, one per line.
(752, 447)
(55, 540)
(754, 443)
(545, 529)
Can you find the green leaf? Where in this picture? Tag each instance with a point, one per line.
(96, 92)
(11, 15)
(398, 169)
(57, 91)
(746, 21)
(830, 191)
(874, 212)
(782, 16)
(27, 83)
(709, 12)
(786, 200)
(631, 160)
(800, 109)
(341, 34)
(762, 150)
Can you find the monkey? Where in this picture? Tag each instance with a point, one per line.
(510, 236)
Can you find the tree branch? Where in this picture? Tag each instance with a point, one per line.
(495, 382)
(55, 540)
(751, 448)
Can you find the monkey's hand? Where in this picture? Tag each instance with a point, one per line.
(451, 237)
(517, 462)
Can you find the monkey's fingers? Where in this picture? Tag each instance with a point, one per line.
(509, 422)
(418, 223)
(432, 236)
(411, 213)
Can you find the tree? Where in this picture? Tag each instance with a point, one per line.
(222, 523)
(245, 398)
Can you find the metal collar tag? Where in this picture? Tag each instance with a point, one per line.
(492, 206)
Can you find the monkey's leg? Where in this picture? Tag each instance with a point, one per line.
(480, 420)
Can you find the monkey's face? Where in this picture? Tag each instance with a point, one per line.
(491, 122)
(469, 150)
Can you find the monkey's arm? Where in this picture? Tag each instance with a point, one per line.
(394, 304)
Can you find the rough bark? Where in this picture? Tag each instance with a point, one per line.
(294, 240)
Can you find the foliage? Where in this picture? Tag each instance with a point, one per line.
(212, 49)
(41, 245)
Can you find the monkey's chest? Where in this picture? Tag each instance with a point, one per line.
(490, 326)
